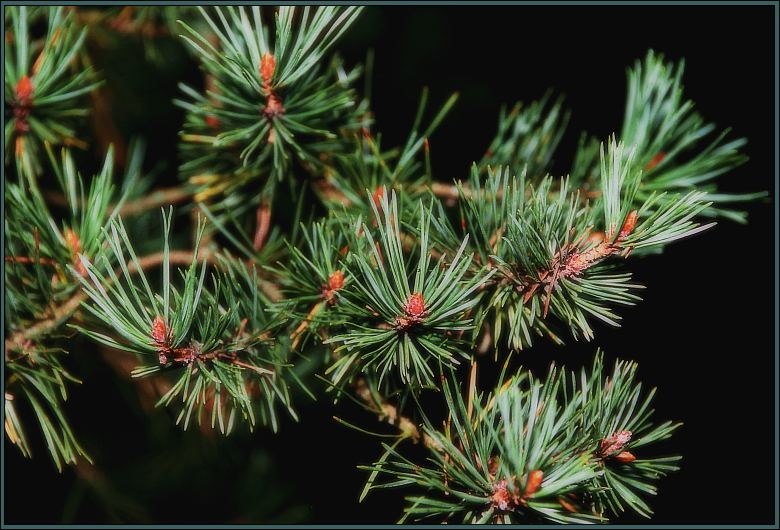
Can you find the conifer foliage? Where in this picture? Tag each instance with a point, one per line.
(393, 296)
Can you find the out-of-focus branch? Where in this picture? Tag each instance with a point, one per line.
(157, 198)
(154, 199)
(389, 413)
(263, 225)
(55, 318)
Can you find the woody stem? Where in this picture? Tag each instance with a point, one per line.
(296, 335)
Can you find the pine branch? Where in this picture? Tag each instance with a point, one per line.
(386, 295)
(217, 339)
(402, 317)
(304, 107)
(530, 451)
(63, 313)
(388, 412)
(42, 87)
(665, 134)
(527, 138)
(42, 295)
(554, 253)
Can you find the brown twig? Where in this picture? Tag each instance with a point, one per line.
(298, 333)
(389, 413)
(263, 225)
(175, 257)
(55, 318)
(156, 198)
(160, 197)
(440, 189)
(106, 131)
(447, 191)
(125, 22)
(184, 258)
(258, 369)
(572, 261)
(28, 260)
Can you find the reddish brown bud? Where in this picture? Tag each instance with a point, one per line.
(414, 312)
(533, 483)
(628, 225)
(21, 109)
(160, 332)
(615, 443)
(74, 244)
(379, 192)
(415, 306)
(267, 67)
(566, 505)
(212, 121)
(624, 457)
(336, 280)
(24, 90)
(72, 240)
(657, 159)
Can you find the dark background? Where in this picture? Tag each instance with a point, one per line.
(703, 334)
